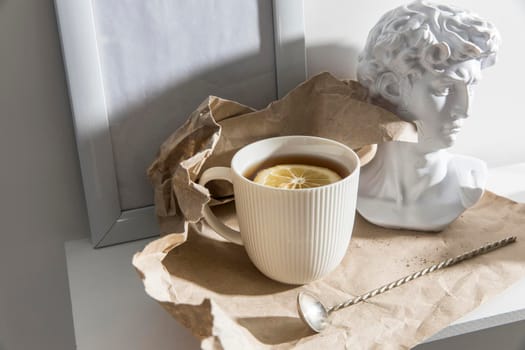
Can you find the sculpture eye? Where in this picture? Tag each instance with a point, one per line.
(444, 90)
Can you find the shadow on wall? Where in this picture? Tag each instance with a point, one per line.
(142, 117)
(340, 60)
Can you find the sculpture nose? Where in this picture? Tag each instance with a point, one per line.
(459, 114)
(463, 102)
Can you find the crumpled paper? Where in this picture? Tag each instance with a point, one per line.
(322, 106)
(211, 286)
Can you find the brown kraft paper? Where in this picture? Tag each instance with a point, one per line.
(211, 286)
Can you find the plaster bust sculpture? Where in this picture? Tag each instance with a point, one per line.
(424, 59)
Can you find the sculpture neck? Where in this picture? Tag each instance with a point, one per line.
(409, 168)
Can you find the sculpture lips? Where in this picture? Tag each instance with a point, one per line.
(453, 128)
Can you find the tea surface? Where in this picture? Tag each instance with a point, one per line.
(296, 172)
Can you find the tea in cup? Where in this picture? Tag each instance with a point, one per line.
(295, 198)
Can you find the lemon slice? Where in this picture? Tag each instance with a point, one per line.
(296, 176)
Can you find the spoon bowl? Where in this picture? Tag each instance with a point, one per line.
(312, 311)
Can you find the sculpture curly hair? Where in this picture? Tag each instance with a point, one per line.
(420, 37)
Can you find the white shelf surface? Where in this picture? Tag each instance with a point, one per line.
(112, 311)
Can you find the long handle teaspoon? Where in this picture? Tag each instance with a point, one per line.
(315, 315)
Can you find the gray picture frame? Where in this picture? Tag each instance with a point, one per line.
(109, 223)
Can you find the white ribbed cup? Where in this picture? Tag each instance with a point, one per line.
(292, 236)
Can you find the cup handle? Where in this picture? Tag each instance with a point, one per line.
(218, 173)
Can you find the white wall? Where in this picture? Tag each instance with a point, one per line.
(41, 199)
(336, 31)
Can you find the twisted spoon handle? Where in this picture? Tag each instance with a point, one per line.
(441, 265)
